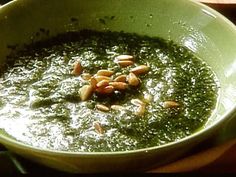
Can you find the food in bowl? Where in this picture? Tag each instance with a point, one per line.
(93, 91)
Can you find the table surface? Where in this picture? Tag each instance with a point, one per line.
(219, 1)
(225, 7)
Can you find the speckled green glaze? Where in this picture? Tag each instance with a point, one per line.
(208, 34)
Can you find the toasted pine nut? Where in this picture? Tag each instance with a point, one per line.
(119, 85)
(85, 92)
(93, 82)
(98, 127)
(77, 70)
(170, 104)
(109, 89)
(125, 63)
(102, 107)
(142, 69)
(103, 83)
(117, 107)
(100, 78)
(121, 78)
(141, 110)
(137, 102)
(124, 57)
(105, 73)
(132, 79)
(86, 76)
(105, 90)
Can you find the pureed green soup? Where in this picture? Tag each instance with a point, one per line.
(105, 91)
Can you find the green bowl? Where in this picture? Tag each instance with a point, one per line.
(204, 31)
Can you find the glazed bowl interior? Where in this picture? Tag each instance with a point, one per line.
(208, 34)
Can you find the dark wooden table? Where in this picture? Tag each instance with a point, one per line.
(228, 10)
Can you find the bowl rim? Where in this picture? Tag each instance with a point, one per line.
(5, 140)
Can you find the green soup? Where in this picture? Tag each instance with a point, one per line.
(41, 104)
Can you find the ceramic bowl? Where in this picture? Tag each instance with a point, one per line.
(204, 31)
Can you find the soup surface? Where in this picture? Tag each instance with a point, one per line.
(104, 91)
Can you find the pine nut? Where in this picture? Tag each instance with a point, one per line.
(77, 70)
(105, 73)
(140, 111)
(125, 63)
(93, 82)
(124, 57)
(86, 76)
(119, 85)
(132, 79)
(103, 83)
(105, 90)
(102, 107)
(98, 127)
(142, 69)
(100, 78)
(85, 92)
(137, 102)
(121, 78)
(117, 107)
(170, 104)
